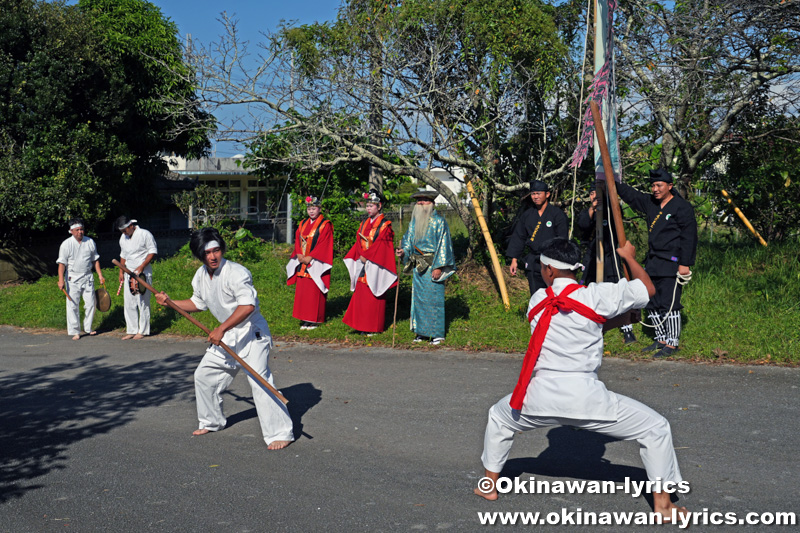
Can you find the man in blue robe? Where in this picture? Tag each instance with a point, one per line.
(427, 252)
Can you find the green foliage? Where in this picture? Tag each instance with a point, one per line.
(208, 205)
(762, 174)
(80, 130)
(339, 187)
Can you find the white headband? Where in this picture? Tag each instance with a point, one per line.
(75, 226)
(132, 221)
(543, 259)
(211, 245)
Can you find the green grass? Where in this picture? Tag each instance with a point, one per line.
(742, 305)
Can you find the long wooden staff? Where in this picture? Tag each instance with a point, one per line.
(613, 199)
(396, 295)
(255, 375)
(616, 211)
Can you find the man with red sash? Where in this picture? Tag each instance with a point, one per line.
(372, 269)
(558, 384)
(309, 268)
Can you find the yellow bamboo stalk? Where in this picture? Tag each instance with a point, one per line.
(498, 272)
(744, 218)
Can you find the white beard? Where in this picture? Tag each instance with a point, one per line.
(421, 216)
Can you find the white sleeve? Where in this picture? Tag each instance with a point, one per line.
(613, 299)
(63, 253)
(150, 244)
(240, 284)
(122, 254)
(197, 294)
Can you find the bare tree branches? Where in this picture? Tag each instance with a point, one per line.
(696, 66)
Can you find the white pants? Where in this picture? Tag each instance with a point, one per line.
(635, 421)
(77, 286)
(215, 374)
(137, 306)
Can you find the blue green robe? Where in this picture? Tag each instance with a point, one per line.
(427, 300)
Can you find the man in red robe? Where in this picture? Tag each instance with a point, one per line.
(309, 268)
(372, 268)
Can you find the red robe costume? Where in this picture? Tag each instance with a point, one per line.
(312, 281)
(371, 281)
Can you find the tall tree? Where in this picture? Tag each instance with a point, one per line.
(455, 81)
(80, 127)
(692, 67)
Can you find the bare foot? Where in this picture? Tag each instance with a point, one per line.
(487, 486)
(198, 432)
(127, 337)
(491, 496)
(138, 336)
(663, 505)
(76, 337)
(92, 333)
(278, 444)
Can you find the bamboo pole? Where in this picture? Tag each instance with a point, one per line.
(255, 375)
(498, 272)
(744, 218)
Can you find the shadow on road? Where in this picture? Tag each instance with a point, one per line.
(43, 412)
(302, 397)
(576, 454)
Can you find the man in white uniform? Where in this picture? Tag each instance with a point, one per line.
(226, 289)
(561, 386)
(137, 250)
(76, 256)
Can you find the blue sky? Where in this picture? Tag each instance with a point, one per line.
(199, 18)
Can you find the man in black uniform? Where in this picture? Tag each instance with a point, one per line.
(672, 246)
(612, 264)
(532, 230)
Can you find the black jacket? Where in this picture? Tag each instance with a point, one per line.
(672, 231)
(531, 232)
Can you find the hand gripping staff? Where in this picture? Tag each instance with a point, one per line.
(255, 375)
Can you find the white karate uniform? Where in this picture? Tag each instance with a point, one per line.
(565, 389)
(134, 250)
(78, 257)
(231, 287)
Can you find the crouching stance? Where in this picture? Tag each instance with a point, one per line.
(558, 384)
(226, 289)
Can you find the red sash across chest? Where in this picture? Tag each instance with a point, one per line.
(551, 305)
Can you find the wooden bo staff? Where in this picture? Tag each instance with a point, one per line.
(634, 315)
(616, 211)
(255, 375)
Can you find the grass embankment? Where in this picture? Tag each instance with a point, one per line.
(742, 305)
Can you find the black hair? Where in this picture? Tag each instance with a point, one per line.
(563, 250)
(199, 239)
(75, 220)
(121, 221)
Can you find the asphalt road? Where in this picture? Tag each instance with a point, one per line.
(95, 435)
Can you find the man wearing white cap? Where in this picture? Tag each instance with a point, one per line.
(558, 384)
(76, 256)
(137, 250)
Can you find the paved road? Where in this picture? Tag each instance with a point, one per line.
(96, 436)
